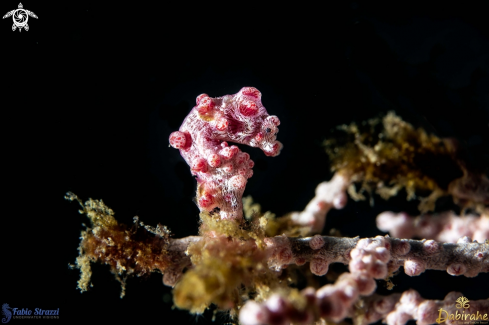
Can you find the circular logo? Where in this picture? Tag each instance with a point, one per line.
(20, 17)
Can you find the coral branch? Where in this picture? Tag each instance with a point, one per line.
(328, 195)
(445, 227)
(397, 309)
(374, 308)
(222, 170)
(229, 259)
(368, 262)
(180, 260)
(415, 255)
(128, 250)
(369, 259)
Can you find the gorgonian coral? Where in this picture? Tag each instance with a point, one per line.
(248, 266)
(389, 154)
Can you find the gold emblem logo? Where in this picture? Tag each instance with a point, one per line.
(466, 318)
(462, 302)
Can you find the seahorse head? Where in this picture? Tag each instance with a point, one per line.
(258, 128)
(241, 118)
(266, 136)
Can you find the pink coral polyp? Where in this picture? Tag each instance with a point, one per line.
(221, 170)
(179, 140)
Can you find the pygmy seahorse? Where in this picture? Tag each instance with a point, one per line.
(221, 170)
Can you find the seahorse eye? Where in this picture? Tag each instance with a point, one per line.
(268, 130)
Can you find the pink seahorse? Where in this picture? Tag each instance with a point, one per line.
(221, 170)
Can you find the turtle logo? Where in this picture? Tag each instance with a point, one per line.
(20, 17)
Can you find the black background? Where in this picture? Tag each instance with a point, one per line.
(91, 93)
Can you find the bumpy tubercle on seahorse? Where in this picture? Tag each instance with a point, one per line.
(222, 170)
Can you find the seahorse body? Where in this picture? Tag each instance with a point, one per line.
(222, 170)
(7, 313)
